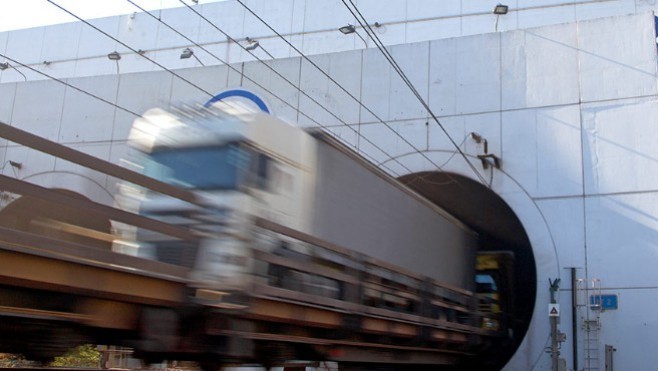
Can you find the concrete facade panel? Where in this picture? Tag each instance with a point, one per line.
(278, 85)
(93, 43)
(278, 14)
(214, 54)
(373, 11)
(566, 220)
(25, 45)
(600, 9)
(542, 150)
(619, 152)
(345, 69)
(643, 6)
(543, 16)
(276, 47)
(480, 23)
(138, 93)
(528, 79)
(319, 42)
(184, 21)
(617, 57)
(7, 95)
(387, 95)
(377, 78)
(316, 19)
(4, 36)
(484, 6)
(609, 252)
(397, 138)
(18, 73)
(413, 59)
(433, 29)
(460, 129)
(542, 3)
(454, 125)
(86, 118)
(228, 16)
(211, 79)
(58, 70)
(139, 31)
(387, 34)
(134, 62)
(443, 77)
(628, 322)
(61, 42)
(38, 108)
(422, 9)
(97, 66)
(459, 80)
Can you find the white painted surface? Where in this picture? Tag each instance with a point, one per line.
(570, 108)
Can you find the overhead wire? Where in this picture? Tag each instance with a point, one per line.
(324, 127)
(370, 34)
(373, 36)
(69, 85)
(129, 47)
(305, 57)
(191, 83)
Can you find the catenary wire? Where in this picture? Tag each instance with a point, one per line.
(366, 26)
(378, 118)
(260, 85)
(128, 47)
(264, 88)
(380, 46)
(363, 22)
(191, 83)
(69, 85)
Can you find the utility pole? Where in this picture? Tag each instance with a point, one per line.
(554, 315)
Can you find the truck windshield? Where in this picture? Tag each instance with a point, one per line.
(199, 167)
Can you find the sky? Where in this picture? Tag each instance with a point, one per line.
(16, 14)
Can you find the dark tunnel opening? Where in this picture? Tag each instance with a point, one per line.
(499, 229)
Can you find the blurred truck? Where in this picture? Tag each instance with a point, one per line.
(289, 215)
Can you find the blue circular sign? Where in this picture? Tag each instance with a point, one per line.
(239, 93)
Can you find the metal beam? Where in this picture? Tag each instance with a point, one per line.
(30, 140)
(33, 271)
(32, 244)
(29, 189)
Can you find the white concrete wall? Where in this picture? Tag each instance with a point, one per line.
(570, 109)
(78, 50)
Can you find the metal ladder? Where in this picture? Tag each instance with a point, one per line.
(592, 327)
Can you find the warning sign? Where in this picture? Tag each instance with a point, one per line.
(553, 310)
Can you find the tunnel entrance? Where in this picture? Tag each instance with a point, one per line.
(499, 230)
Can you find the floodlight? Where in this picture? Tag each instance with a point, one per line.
(114, 56)
(347, 29)
(252, 44)
(501, 9)
(187, 53)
